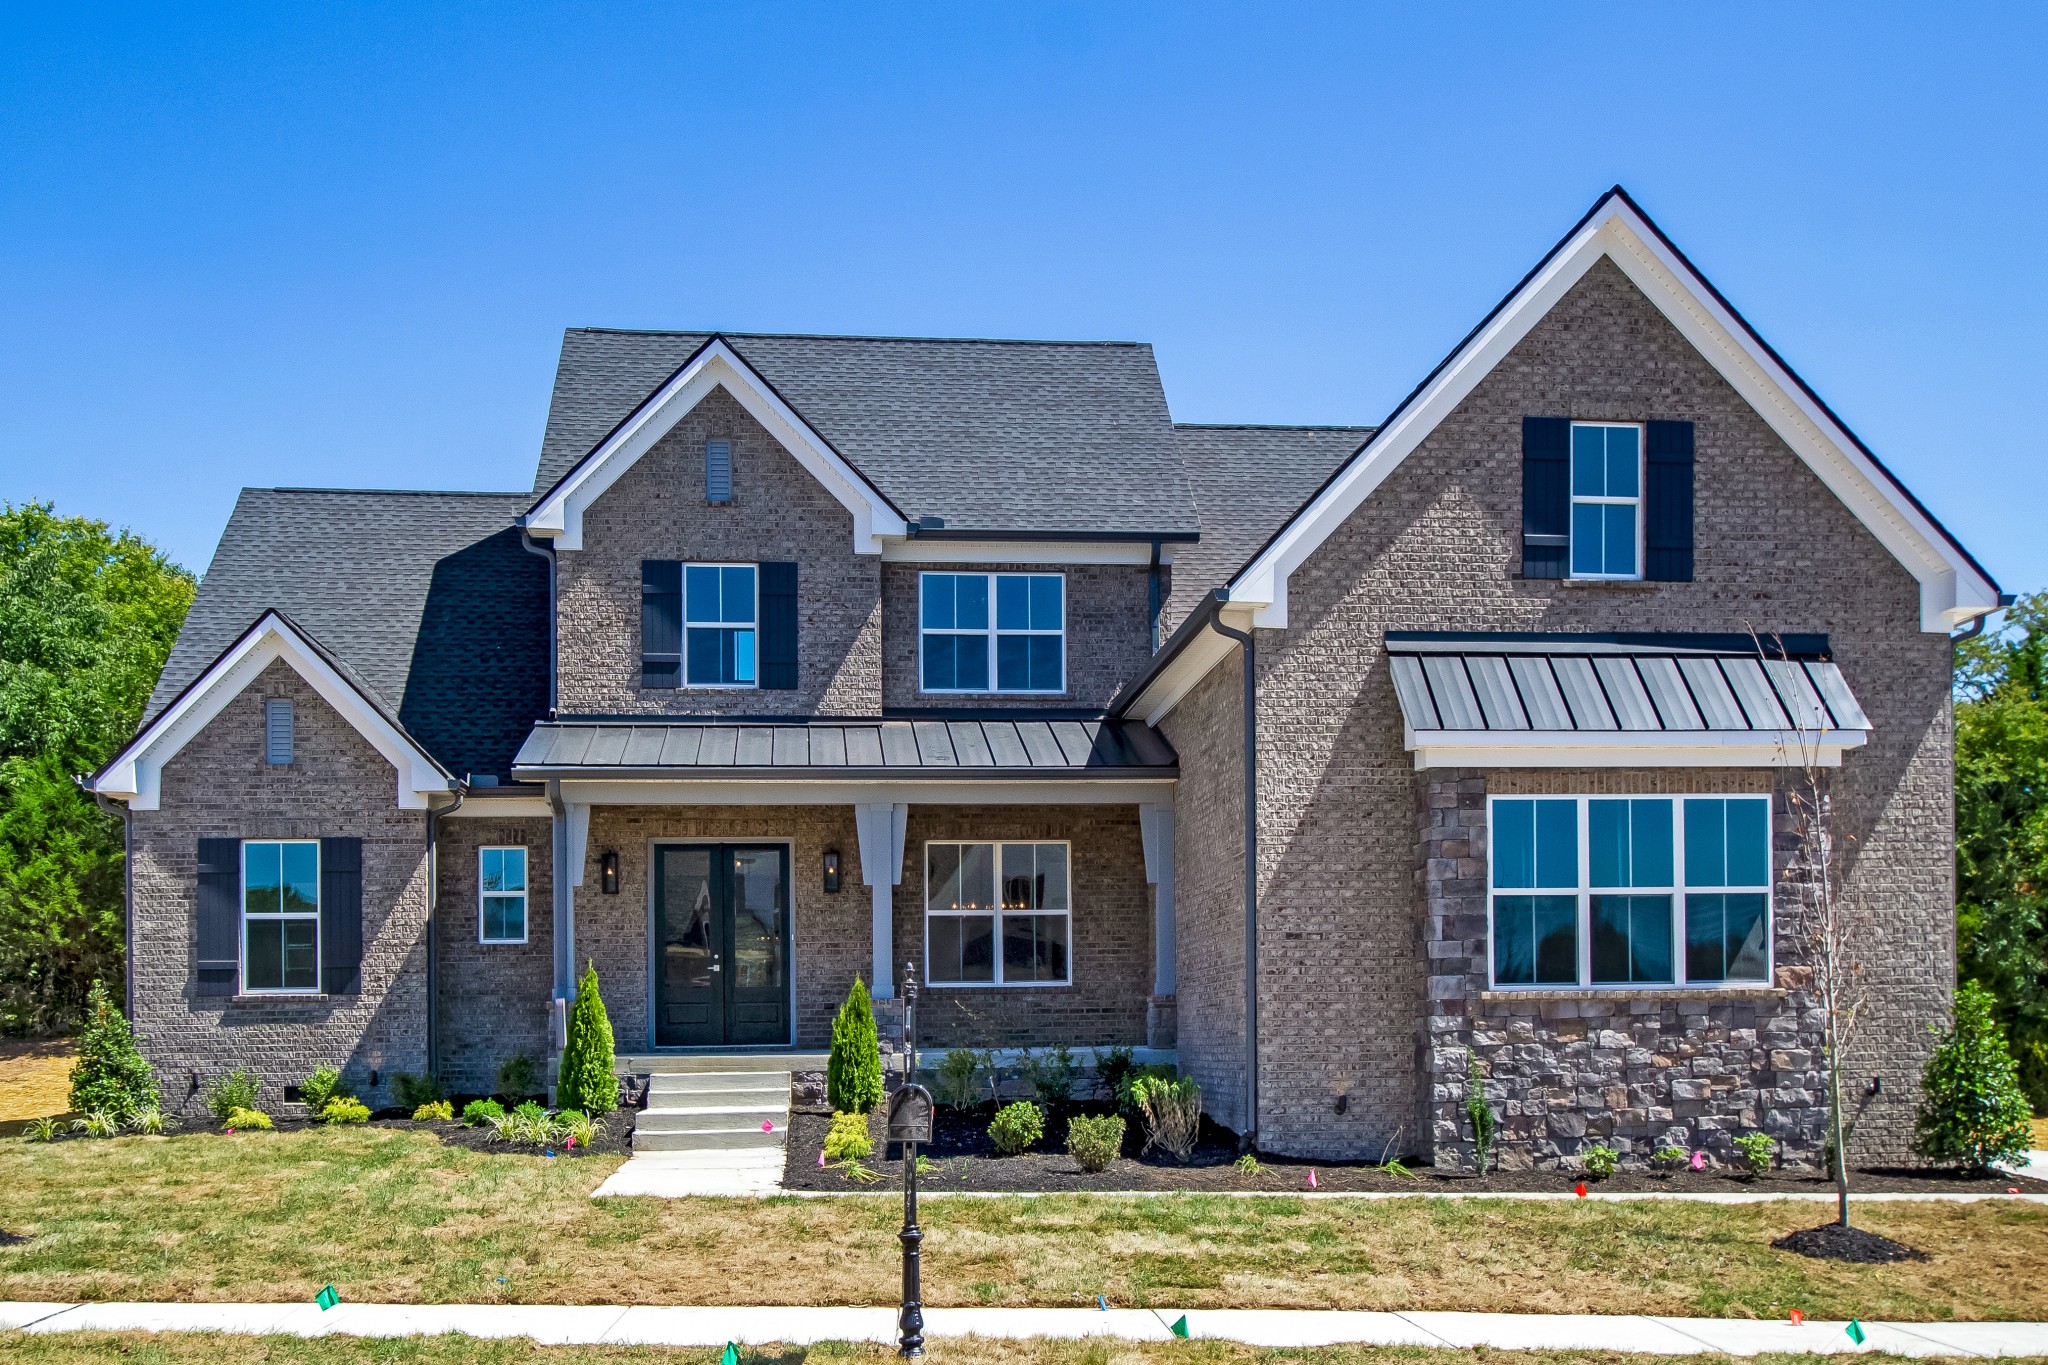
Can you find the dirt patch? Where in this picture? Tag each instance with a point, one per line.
(1833, 1242)
(35, 1077)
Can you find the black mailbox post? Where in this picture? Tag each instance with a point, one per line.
(910, 1122)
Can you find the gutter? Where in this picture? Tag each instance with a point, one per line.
(547, 552)
(1248, 1140)
(434, 927)
(1976, 626)
(112, 807)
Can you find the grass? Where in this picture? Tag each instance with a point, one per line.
(35, 1077)
(394, 1216)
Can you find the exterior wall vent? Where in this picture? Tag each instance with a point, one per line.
(718, 471)
(277, 732)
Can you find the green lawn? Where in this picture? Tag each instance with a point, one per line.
(395, 1216)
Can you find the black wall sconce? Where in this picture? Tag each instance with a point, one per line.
(831, 871)
(608, 873)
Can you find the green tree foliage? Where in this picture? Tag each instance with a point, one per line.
(1971, 1109)
(110, 1075)
(853, 1073)
(588, 1081)
(87, 616)
(2001, 688)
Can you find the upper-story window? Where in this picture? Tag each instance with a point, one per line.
(1607, 500)
(720, 608)
(992, 632)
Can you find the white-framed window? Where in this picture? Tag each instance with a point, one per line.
(1629, 891)
(997, 914)
(280, 915)
(721, 606)
(992, 632)
(1607, 500)
(501, 894)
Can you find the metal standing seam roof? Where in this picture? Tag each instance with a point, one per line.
(1607, 684)
(828, 748)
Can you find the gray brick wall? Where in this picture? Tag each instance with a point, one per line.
(220, 787)
(493, 997)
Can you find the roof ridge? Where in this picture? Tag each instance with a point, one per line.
(848, 336)
(402, 492)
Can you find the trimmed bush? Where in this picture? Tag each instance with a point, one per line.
(1972, 1109)
(1600, 1161)
(1754, 1151)
(321, 1088)
(414, 1092)
(111, 1075)
(1016, 1127)
(1095, 1142)
(478, 1113)
(236, 1090)
(434, 1111)
(248, 1118)
(344, 1109)
(847, 1139)
(518, 1077)
(853, 1073)
(587, 1081)
(1173, 1114)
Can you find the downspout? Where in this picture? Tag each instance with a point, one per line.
(127, 897)
(1249, 1140)
(434, 927)
(546, 552)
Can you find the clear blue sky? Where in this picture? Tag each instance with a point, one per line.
(336, 245)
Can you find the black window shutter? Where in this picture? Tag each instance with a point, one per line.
(1667, 502)
(661, 623)
(220, 916)
(778, 626)
(341, 916)
(1546, 496)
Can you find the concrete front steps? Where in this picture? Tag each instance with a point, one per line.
(708, 1111)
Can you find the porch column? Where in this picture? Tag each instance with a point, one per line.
(578, 843)
(881, 828)
(1155, 823)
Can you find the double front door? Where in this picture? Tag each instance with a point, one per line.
(721, 934)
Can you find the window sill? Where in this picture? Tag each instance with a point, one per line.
(1756, 992)
(1626, 584)
(277, 997)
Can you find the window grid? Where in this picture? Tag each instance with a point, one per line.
(1633, 503)
(287, 939)
(1002, 915)
(721, 614)
(1680, 891)
(1024, 639)
(501, 893)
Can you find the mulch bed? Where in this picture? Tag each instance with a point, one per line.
(1833, 1242)
(964, 1159)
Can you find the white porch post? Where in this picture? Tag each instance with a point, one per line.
(1156, 823)
(881, 829)
(578, 844)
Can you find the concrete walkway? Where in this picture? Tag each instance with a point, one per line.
(1256, 1327)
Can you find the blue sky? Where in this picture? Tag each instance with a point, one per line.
(337, 245)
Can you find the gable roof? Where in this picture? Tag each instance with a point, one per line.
(994, 436)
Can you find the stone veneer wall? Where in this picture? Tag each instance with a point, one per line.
(220, 787)
(493, 997)
(656, 510)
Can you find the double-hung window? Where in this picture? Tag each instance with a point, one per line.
(992, 632)
(1607, 500)
(280, 915)
(501, 889)
(720, 609)
(997, 914)
(1602, 891)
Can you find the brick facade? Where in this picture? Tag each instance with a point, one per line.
(491, 998)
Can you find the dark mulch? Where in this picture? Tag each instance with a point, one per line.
(965, 1159)
(1833, 1242)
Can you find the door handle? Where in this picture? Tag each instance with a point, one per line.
(714, 962)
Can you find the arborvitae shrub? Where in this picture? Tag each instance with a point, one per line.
(111, 1075)
(853, 1073)
(587, 1080)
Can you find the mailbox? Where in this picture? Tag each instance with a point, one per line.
(910, 1115)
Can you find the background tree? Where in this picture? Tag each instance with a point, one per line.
(2001, 689)
(87, 617)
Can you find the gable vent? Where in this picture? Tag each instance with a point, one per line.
(277, 732)
(718, 471)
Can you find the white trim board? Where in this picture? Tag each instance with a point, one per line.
(918, 550)
(136, 774)
(1629, 748)
(559, 513)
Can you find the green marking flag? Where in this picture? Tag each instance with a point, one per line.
(731, 1356)
(1180, 1327)
(327, 1298)
(1855, 1331)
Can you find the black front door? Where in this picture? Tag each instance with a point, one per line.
(721, 933)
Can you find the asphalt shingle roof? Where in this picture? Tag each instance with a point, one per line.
(990, 435)
(427, 598)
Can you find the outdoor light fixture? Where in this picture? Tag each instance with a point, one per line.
(831, 871)
(608, 873)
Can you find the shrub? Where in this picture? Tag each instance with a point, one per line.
(587, 1081)
(576, 1127)
(1247, 1164)
(847, 1139)
(249, 1118)
(151, 1122)
(1095, 1142)
(853, 1073)
(1052, 1075)
(1755, 1151)
(1173, 1114)
(344, 1109)
(1112, 1065)
(1600, 1161)
(433, 1111)
(322, 1087)
(1972, 1109)
(111, 1075)
(414, 1092)
(518, 1077)
(1016, 1127)
(1668, 1158)
(1127, 1086)
(1484, 1122)
(40, 1130)
(97, 1123)
(477, 1113)
(955, 1078)
(236, 1090)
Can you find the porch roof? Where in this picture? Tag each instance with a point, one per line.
(1011, 748)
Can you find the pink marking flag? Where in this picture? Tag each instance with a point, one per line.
(1312, 1179)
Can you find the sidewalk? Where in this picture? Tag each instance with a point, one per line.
(1256, 1327)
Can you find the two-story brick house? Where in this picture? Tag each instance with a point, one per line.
(809, 657)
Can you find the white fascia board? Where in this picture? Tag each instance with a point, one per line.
(1189, 667)
(559, 515)
(1951, 590)
(1630, 748)
(501, 807)
(917, 550)
(136, 774)
(915, 792)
